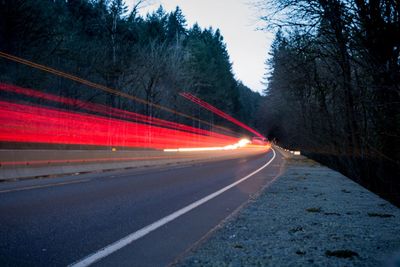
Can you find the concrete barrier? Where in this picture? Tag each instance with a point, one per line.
(20, 164)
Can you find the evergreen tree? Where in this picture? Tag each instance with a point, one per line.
(176, 25)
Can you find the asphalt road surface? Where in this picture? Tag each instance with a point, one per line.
(141, 217)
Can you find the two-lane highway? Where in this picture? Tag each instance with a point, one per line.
(125, 218)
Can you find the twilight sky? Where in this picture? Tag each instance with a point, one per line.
(237, 21)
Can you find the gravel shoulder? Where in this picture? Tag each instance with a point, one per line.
(310, 216)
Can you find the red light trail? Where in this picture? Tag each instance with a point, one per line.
(34, 124)
(218, 112)
(105, 110)
(45, 125)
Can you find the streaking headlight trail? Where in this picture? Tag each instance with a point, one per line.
(241, 143)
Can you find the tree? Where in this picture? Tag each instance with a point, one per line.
(176, 26)
(334, 71)
(117, 10)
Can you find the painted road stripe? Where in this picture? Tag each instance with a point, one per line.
(104, 252)
(43, 186)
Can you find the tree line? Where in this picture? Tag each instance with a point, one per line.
(153, 57)
(333, 85)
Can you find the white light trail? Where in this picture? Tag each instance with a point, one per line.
(241, 143)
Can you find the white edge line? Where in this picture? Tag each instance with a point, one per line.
(104, 252)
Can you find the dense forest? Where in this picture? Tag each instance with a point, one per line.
(333, 85)
(153, 57)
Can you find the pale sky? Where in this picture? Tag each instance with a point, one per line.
(237, 21)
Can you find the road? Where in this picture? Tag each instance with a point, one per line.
(61, 221)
